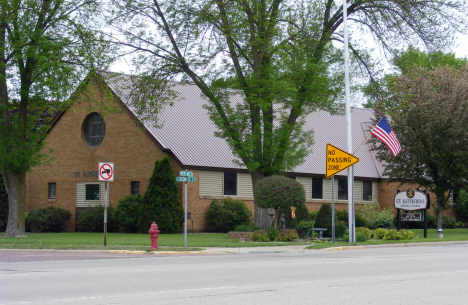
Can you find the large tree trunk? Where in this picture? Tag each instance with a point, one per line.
(440, 210)
(15, 186)
(261, 218)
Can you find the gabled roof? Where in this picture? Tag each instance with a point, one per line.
(188, 133)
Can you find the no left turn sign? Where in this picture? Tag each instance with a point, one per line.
(106, 171)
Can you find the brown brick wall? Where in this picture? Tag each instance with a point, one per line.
(125, 144)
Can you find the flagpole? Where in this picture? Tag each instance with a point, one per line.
(348, 120)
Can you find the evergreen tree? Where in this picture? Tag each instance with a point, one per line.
(323, 219)
(161, 202)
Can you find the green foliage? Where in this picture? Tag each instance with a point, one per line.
(48, 47)
(366, 232)
(290, 222)
(3, 206)
(246, 228)
(313, 215)
(126, 213)
(341, 215)
(423, 103)
(161, 202)
(360, 238)
(302, 213)
(279, 191)
(260, 236)
(305, 225)
(49, 219)
(392, 234)
(273, 233)
(92, 220)
(227, 214)
(323, 219)
(375, 217)
(340, 228)
(380, 233)
(461, 205)
(287, 235)
(448, 222)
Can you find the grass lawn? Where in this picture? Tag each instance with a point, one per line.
(119, 241)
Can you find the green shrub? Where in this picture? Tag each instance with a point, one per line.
(461, 205)
(341, 215)
(242, 228)
(360, 221)
(260, 236)
(448, 222)
(340, 228)
(273, 233)
(460, 224)
(287, 235)
(92, 220)
(380, 233)
(305, 225)
(290, 223)
(392, 234)
(360, 238)
(227, 214)
(3, 206)
(375, 217)
(126, 213)
(323, 219)
(366, 232)
(302, 213)
(49, 219)
(313, 215)
(279, 191)
(161, 202)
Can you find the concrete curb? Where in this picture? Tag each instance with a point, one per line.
(398, 245)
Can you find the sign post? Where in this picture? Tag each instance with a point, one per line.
(106, 173)
(336, 161)
(185, 176)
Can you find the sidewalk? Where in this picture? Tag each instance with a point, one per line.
(287, 249)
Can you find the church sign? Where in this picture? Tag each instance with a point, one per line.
(411, 200)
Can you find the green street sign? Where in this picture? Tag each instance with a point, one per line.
(185, 173)
(186, 179)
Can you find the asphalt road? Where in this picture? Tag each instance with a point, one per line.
(412, 275)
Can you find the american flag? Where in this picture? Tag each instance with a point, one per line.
(384, 132)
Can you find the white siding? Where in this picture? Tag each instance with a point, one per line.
(375, 191)
(327, 189)
(244, 185)
(357, 190)
(81, 201)
(307, 183)
(211, 183)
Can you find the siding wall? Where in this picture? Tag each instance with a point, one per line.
(211, 183)
(81, 201)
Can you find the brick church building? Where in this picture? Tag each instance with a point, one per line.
(88, 133)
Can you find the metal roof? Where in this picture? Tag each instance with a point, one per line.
(188, 132)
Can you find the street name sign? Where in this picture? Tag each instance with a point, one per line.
(337, 160)
(185, 173)
(186, 179)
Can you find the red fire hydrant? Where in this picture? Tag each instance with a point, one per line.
(154, 234)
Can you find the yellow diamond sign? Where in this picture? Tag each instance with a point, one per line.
(338, 160)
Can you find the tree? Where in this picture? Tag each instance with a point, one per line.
(278, 192)
(429, 114)
(278, 54)
(3, 206)
(161, 202)
(403, 62)
(46, 46)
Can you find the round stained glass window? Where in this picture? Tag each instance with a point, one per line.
(94, 129)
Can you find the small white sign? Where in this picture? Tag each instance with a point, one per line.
(411, 200)
(106, 171)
